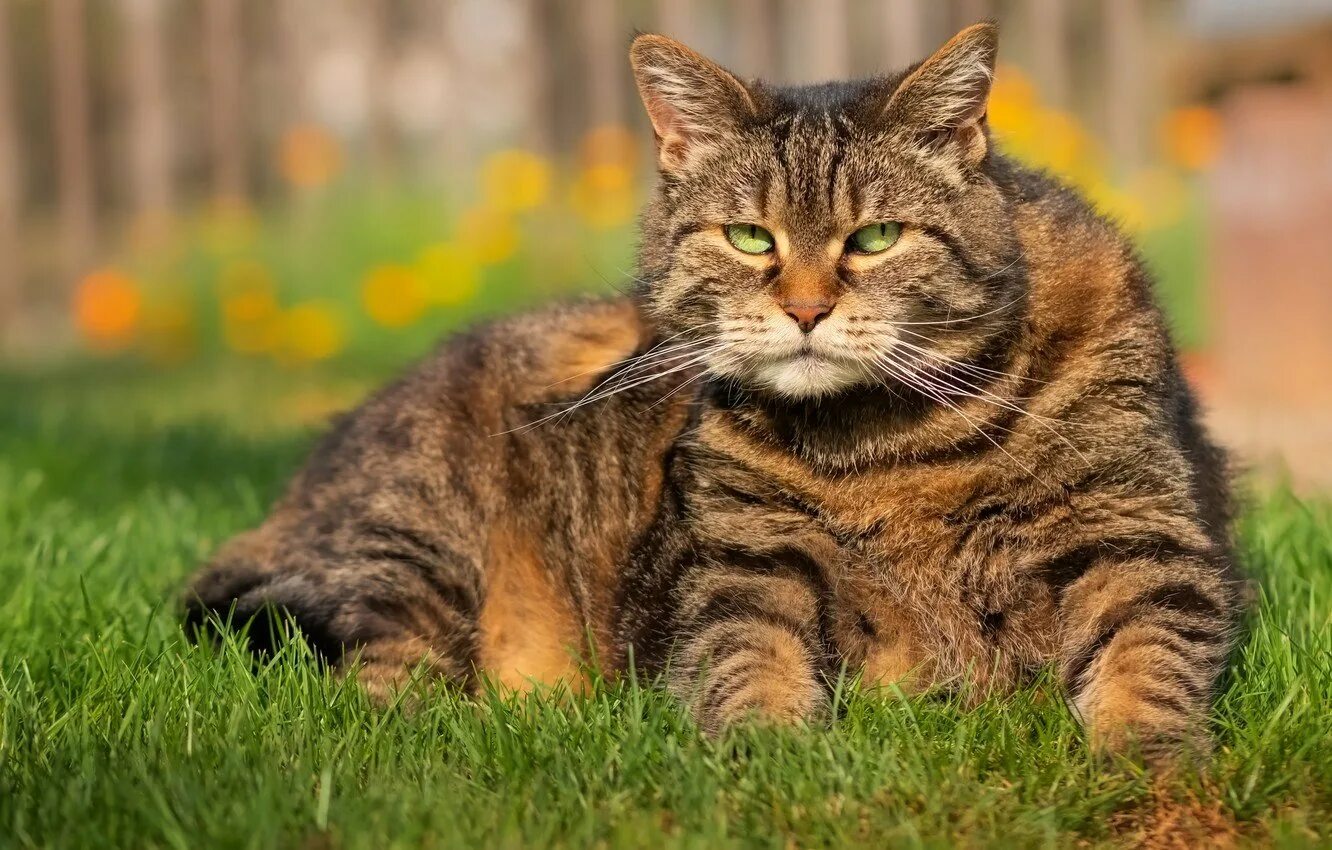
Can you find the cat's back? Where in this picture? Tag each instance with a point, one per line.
(503, 387)
(525, 454)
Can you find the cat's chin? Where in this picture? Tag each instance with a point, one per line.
(806, 377)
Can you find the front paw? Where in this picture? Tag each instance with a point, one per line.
(1122, 722)
(765, 700)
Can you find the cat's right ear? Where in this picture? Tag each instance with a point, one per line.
(693, 102)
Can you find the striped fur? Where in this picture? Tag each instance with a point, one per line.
(983, 462)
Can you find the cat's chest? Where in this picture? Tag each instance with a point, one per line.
(919, 605)
(917, 590)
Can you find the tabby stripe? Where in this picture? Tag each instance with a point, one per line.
(948, 241)
(403, 536)
(456, 594)
(1140, 610)
(1170, 702)
(722, 609)
(790, 558)
(1067, 567)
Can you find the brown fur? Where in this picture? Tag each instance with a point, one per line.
(529, 633)
(980, 463)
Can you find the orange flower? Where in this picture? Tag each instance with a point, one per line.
(107, 309)
(610, 144)
(1191, 136)
(309, 156)
(604, 196)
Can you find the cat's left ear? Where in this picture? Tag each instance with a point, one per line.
(942, 103)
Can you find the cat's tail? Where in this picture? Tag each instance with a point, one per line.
(262, 606)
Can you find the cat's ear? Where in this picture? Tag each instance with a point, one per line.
(942, 103)
(693, 102)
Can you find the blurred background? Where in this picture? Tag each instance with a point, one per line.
(256, 209)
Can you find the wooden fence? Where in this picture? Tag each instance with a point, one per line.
(130, 111)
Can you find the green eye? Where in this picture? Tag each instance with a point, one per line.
(874, 238)
(749, 238)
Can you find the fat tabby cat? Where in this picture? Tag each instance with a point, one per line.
(883, 402)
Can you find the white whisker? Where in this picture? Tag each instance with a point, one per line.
(908, 374)
(596, 396)
(970, 367)
(982, 394)
(1001, 307)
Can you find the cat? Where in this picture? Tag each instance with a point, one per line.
(883, 402)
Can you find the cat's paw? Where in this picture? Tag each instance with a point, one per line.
(1178, 745)
(771, 702)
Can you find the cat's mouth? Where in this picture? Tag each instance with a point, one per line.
(805, 372)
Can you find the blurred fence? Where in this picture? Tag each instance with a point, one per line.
(116, 116)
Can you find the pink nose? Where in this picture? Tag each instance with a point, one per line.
(807, 314)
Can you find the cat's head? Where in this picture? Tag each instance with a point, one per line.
(813, 240)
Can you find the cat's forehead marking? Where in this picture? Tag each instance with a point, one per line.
(809, 148)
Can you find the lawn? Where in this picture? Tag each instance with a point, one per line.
(116, 480)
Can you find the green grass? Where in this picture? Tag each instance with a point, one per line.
(114, 731)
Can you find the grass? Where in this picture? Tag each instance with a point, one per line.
(114, 731)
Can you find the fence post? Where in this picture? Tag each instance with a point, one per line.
(973, 11)
(150, 134)
(904, 32)
(381, 135)
(226, 137)
(825, 45)
(11, 266)
(754, 25)
(1125, 31)
(604, 51)
(1050, 40)
(675, 18)
(537, 83)
(73, 147)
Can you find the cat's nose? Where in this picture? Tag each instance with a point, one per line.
(807, 314)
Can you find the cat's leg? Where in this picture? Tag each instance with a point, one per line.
(1145, 637)
(748, 646)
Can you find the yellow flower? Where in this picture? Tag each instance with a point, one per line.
(309, 156)
(107, 309)
(1160, 196)
(1191, 136)
(250, 321)
(229, 228)
(609, 144)
(242, 276)
(1013, 103)
(515, 180)
(603, 196)
(394, 296)
(1120, 205)
(489, 233)
(312, 331)
(169, 333)
(1063, 146)
(449, 272)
